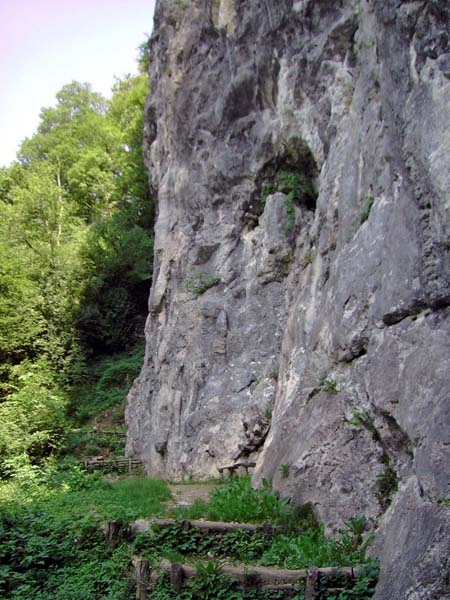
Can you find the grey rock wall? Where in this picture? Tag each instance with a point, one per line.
(330, 313)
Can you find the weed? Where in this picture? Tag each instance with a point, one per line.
(386, 485)
(367, 208)
(298, 189)
(297, 185)
(290, 211)
(211, 584)
(443, 501)
(364, 586)
(105, 384)
(267, 413)
(273, 375)
(329, 386)
(198, 283)
(361, 417)
(309, 257)
(174, 541)
(284, 470)
(266, 190)
(312, 548)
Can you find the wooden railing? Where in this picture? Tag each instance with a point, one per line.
(119, 464)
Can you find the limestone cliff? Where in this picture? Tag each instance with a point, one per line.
(300, 152)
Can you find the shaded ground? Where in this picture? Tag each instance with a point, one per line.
(185, 494)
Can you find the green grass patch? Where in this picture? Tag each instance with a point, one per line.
(237, 501)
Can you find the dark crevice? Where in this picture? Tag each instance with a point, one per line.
(415, 310)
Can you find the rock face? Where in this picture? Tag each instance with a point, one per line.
(300, 153)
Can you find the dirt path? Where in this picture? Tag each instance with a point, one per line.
(186, 494)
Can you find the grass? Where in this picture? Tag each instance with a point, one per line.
(51, 547)
(312, 548)
(303, 546)
(75, 495)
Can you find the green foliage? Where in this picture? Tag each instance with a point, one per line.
(182, 4)
(386, 485)
(198, 283)
(367, 208)
(210, 581)
(443, 501)
(312, 548)
(298, 188)
(76, 247)
(175, 541)
(50, 544)
(237, 501)
(104, 384)
(266, 190)
(329, 386)
(32, 417)
(297, 185)
(361, 417)
(117, 261)
(211, 584)
(290, 211)
(267, 413)
(284, 470)
(364, 586)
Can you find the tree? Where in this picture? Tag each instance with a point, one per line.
(76, 246)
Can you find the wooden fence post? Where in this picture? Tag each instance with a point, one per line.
(176, 577)
(312, 583)
(142, 575)
(112, 531)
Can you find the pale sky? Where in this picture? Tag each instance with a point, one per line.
(45, 44)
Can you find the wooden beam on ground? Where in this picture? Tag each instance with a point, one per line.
(269, 575)
(141, 526)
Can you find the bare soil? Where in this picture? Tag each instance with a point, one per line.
(185, 494)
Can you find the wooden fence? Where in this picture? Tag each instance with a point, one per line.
(120, 434)
(272, 579)
(289, 581)
(119, 464)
